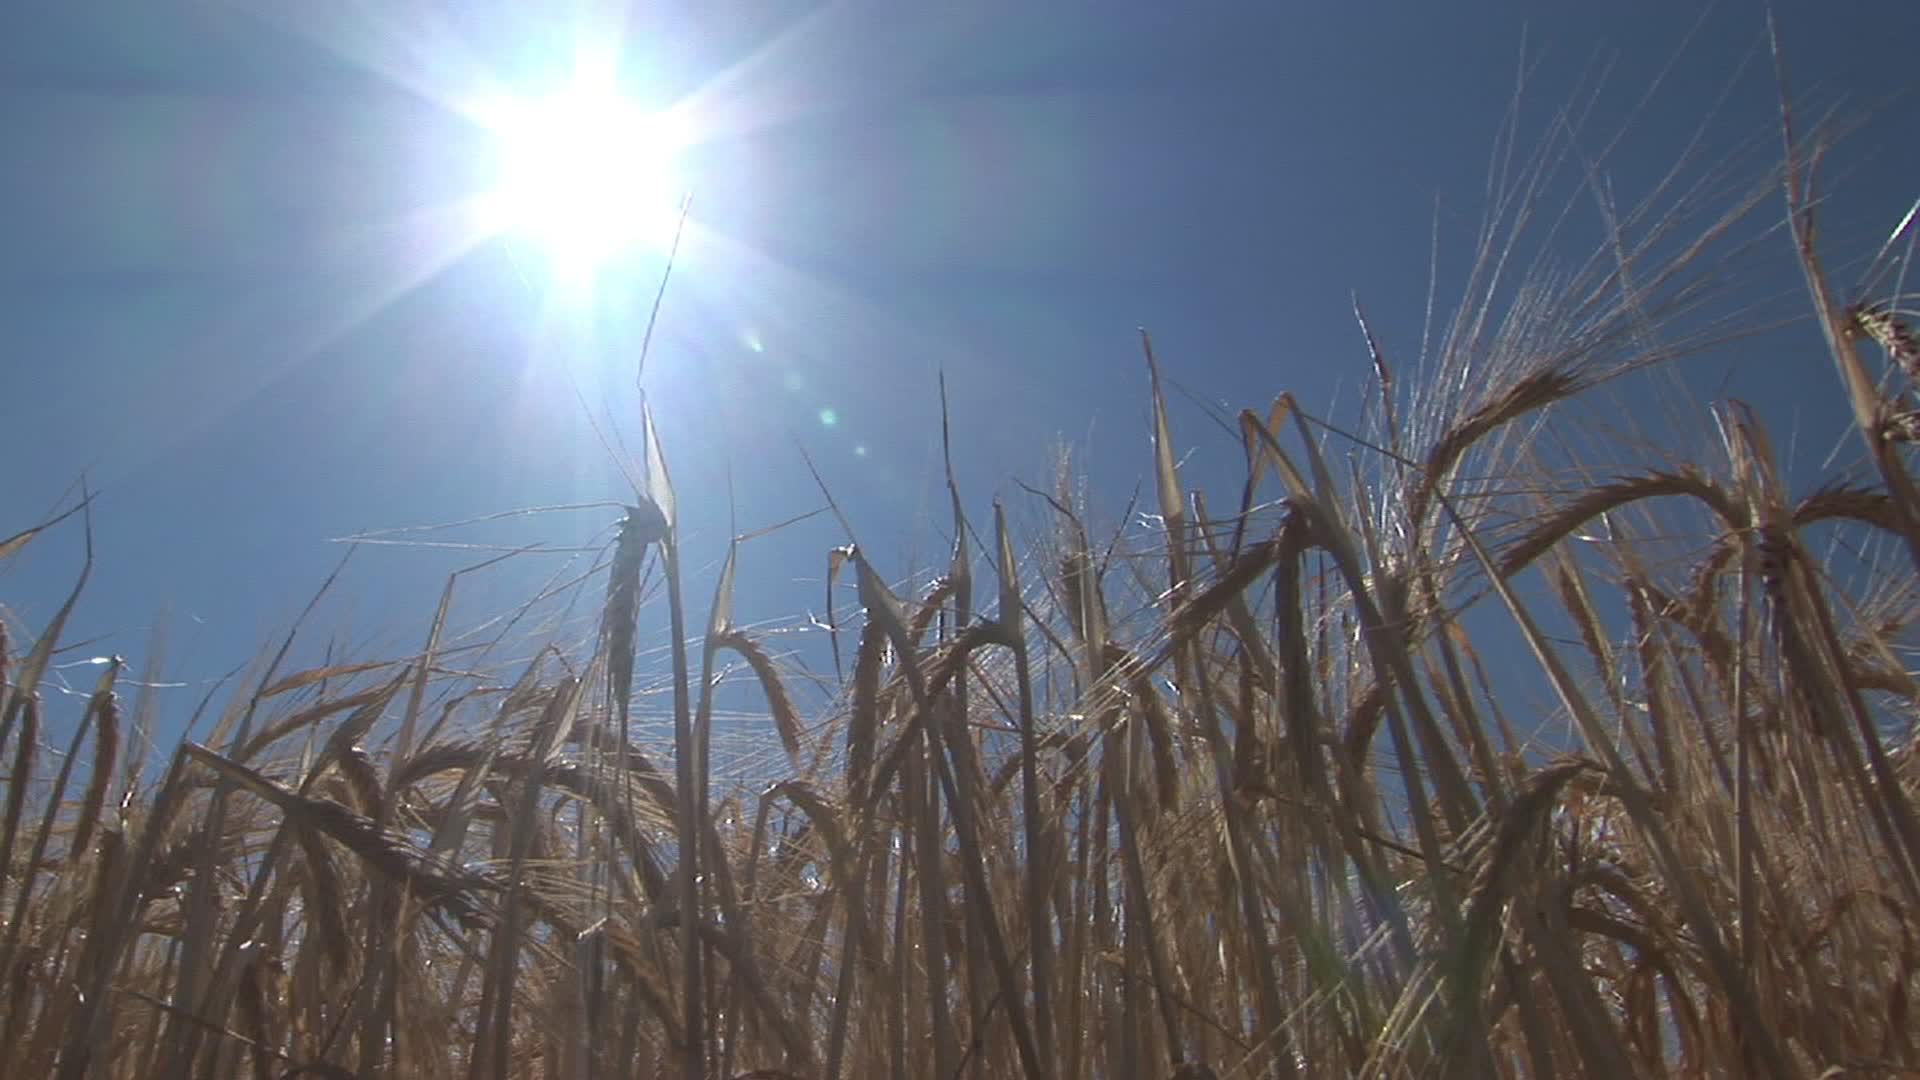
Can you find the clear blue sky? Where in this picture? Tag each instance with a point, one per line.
(227, 293)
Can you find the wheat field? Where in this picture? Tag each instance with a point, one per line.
(1221, 791)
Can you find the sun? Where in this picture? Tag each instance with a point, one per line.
(585, 176)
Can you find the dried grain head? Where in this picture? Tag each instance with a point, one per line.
(1882, 325)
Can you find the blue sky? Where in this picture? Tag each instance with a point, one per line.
(232, 295)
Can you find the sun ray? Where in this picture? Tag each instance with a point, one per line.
(450, 232)
(577, 168)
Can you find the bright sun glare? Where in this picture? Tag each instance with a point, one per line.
(584, 176)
